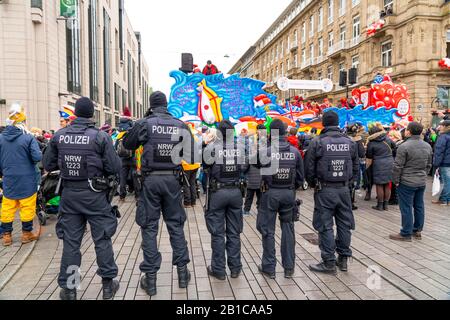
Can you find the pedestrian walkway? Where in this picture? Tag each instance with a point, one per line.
(381, 268)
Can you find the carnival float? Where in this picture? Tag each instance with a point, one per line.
(201, 100)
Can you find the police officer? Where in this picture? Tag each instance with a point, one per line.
(282, 174)
(225, 162)
(161, 188)
(85, 156)
(331, 165)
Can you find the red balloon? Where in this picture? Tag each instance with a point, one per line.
(381, 94)
(388, 102)
(379, 104)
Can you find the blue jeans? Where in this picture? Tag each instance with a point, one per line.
(445, 178)
(411, 198)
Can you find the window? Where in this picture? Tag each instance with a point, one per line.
(330, 72)
(311, 26)
(295, 61)
(73, 54)
(124, 99)
(282, 48)
(319, 76)
(303, 56)
(106, 57)
(342, 66)
(121, 30)
(330, 11)
(116, 97)
(443, 93)
(117, 51)
(303, 32)
(388, 3)
(320, 22)
(356, 30)
(355, 2)
(355, 64)
(130, 86)
(311, 52)
(342, 32)
(108, 118)
(93, 51)
(288, 65)
(320, 53)
(342, 7)
(330, 40)
(386, 54)
(448, 43)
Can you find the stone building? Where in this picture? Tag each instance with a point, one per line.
(53, 52)
(316, 39)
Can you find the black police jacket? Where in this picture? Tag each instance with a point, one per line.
(313, 155)
(103, 147)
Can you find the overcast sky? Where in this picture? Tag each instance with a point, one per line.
(209, 29)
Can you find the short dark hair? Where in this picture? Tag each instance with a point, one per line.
(415, 128)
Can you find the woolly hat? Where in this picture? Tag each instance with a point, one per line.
(330, 119)
(158, 99)
(84, 108)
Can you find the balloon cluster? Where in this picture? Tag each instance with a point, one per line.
(445, 63)
(385, 94)
(374, 27)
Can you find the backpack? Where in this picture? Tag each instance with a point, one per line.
(122, 151)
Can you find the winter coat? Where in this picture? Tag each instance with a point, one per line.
(442, 150)
(19, 154)
(413, 162)
(380, 149)
(125, 124)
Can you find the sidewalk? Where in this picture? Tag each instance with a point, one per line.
(417, 270)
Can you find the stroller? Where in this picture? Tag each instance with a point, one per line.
(47, 199)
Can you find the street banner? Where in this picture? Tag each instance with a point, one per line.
(68, 8)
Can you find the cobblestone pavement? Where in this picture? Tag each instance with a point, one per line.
(417, 270)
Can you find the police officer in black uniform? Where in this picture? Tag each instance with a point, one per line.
(331, 166)
(159, 134)
(225, 162)
(282, 174)
(85, 156)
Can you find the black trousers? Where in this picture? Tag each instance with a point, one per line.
(333, 204)
(190, 192)
(126, 179)
(249, 199)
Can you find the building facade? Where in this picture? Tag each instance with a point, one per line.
(49, 60)
(316, 39)
(245, 66)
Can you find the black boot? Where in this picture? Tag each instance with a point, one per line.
(68, 295)
(386, 206)
(368, 196)
(218, 276)
(148, 284)
(289, 273)
(184, 276)
(110, 288)
(379, 206)
(341, 263)
(328, 267)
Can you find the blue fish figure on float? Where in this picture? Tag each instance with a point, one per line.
(364, 117)
(237, 96)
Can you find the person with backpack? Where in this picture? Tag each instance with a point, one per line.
(126, 156)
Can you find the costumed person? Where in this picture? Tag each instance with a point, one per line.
(196, 69)
(126, 156)
(19, 154)
(190, 181)
(210, 69)
(87, 161)
(67, 116)
(253, 174)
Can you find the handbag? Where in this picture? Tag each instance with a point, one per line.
(436, 184)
